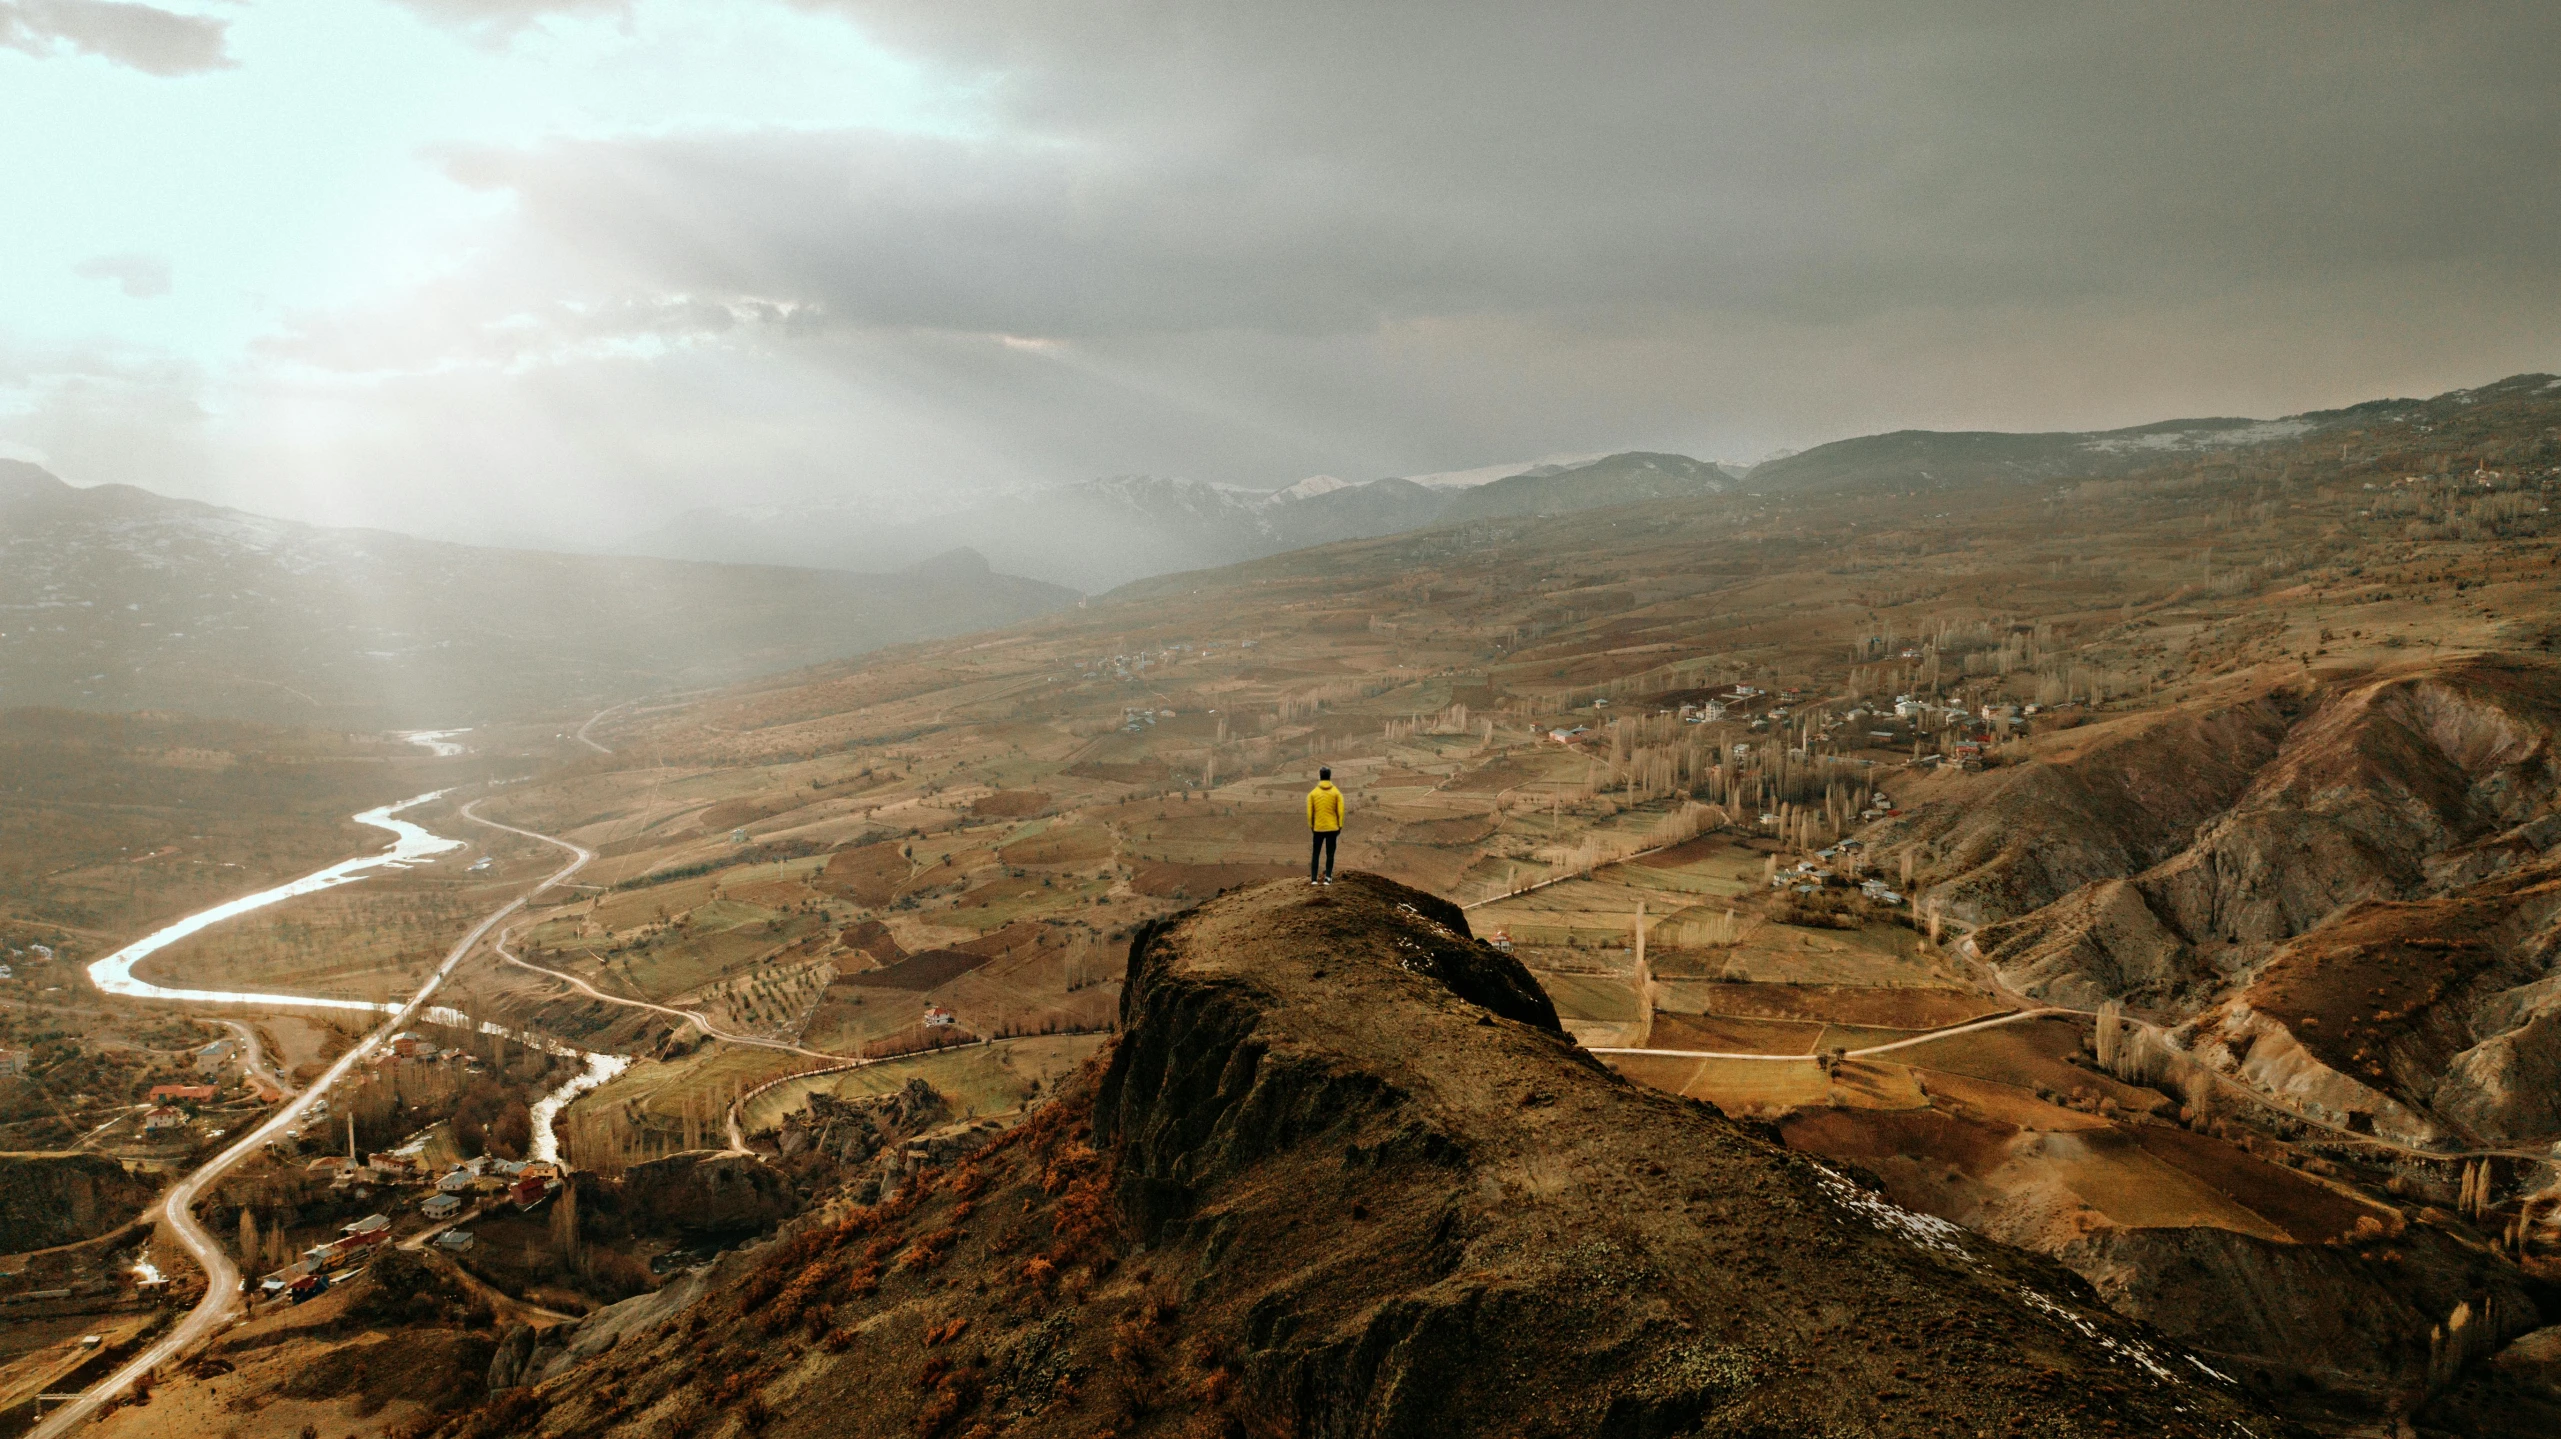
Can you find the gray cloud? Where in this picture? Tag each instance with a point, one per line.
(144, 37)
(1323, 170)
(1255, 241)
(141, 277)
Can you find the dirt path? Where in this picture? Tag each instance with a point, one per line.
(2537, 1149)
(692, 1017)
(581, 736)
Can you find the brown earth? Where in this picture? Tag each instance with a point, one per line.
(870, 874)
(1010, 803)
(1343, 1175)
(1199, 881)
(919, 972)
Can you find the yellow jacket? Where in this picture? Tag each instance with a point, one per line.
(1324, 807)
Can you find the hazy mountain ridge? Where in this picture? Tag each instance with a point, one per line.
(1104, 533)
(1939, 458)
(117, 598)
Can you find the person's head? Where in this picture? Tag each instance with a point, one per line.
(1325, 772)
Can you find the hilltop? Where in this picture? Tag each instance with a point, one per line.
(1343, 1174)
(119, 599)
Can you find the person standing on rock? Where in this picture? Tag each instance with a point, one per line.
(1324, 826)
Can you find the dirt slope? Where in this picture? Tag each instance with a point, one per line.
(1343, 1176)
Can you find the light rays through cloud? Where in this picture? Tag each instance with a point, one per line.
(549, 272)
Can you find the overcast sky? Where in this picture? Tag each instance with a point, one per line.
(500, 269)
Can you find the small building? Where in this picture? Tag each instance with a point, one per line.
(216, 1057)
(13, 1061)
(937, 1017)
(410, 1046)
(182, 1094)
(530, 1191)
(454, 1241)
(441, 1206)
(370, 1224)
(162, 1117)
(396, 1168)
(457, 1181)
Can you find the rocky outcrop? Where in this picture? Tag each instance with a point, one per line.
(50, 1199)
(1433, 1214)
(705, 1192)
(852, 1131)
(527, 1357)
(1343, 1175)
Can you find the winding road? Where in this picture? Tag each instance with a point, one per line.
(222, 1277)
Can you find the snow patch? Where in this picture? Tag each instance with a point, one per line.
(1488, 474)
(1314, 485)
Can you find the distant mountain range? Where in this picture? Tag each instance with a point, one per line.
(1925, 459)
(1100, 534)
(115, 598)
(1104, 533)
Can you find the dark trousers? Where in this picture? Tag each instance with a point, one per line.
(1322, 846)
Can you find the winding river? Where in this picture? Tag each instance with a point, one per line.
(411, 844)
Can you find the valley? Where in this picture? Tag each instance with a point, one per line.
(2143, 875)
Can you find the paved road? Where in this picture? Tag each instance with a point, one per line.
(222, 1278)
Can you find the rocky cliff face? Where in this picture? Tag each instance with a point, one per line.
(50, 1199)
(1343, 1175)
